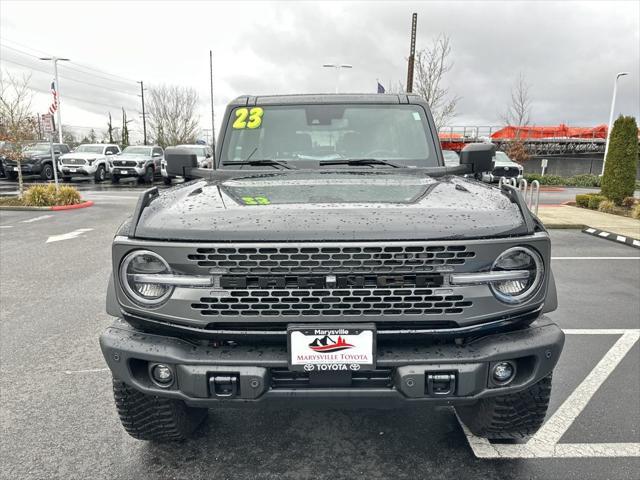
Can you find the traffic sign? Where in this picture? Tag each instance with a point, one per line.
(47, 123)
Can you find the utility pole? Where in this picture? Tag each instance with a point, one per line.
(213, 125)
(412, 53)
(613, 106)
(55, 61)
(144, 117)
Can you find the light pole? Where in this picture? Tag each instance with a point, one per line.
(55, 61)
(144, 117)
(613, 106)
(338, 68)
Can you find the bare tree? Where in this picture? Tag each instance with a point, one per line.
(431, 65)
(518, 112)
(172, 116)
(17, 123)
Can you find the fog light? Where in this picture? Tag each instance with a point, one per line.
(503, 372)
(162, 374)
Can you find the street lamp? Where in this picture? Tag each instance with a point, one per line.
(338, 68)
(613, 104)
(144, 116)
(55, 61)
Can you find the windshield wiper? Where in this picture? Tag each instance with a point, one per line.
(267, 161)
(360, 161)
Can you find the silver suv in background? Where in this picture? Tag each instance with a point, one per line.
(203, 153)
(88, 160)
(139, 161)
(503, 167)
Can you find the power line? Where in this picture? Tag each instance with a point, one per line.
(125, 82)
(71, 79)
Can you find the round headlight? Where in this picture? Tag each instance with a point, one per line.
(139, 263)
(518, 259)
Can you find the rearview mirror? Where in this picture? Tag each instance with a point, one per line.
(109, 153)
(479, 156)
(57, 152)
(180, 162)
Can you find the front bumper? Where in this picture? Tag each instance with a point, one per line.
(128, 171)
(27, 168)
(404, 372)
(77, 169)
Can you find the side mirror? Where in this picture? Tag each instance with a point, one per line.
(179, 163)
(479, 156)
(208, 155)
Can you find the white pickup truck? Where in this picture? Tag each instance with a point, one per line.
(88, 160)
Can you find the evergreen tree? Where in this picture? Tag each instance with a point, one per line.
(619, 177)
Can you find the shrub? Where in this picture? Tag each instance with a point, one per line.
(628, 202)
(582, 200)
(607, 206)
(40, 195)
(635, 213)
(68, 195)
(619, 177)
(585, 180)
(594, 201)
(47, 195)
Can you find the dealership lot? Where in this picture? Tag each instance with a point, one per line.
(58, 418)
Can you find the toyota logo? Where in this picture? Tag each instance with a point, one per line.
(309, 368)
(354, 366)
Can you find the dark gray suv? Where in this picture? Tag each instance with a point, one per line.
(331, 258)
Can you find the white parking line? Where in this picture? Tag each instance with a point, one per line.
(6, 226)
(544, 444)
(595, 258)
(68, 236)
(88, 370)
(37, 219)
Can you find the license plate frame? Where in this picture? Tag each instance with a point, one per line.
(73, 170)
(338, 347)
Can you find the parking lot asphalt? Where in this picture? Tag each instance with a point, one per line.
(58, 418)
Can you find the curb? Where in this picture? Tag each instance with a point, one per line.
(86, 204)
(613, 237)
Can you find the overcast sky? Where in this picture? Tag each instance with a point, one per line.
(568, 51)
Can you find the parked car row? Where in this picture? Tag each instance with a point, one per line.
(98, 161)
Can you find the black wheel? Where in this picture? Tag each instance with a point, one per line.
(148, 175)
(12, 175)
(115, 178)
(147, 417)
(166, 180)
(47, 172)
(66, 179)
(100, 174)
(512, 416)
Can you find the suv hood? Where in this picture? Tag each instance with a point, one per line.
(81, 155)
(129, 156)
(330, 206)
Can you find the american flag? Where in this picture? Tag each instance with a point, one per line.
(54, 104)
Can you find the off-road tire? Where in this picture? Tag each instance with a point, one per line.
(147, 417)
(101, 174)
(166, 180)
(47, 172)
(513, 416)
(115, 178)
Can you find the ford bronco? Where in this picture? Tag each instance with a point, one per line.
(331, 258)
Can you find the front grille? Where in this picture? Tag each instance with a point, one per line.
(124, 163)
(74, 161)
(283, 378)
(507, 172)
(330, 302)
(331, 260)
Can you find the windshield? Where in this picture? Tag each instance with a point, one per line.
(90, 148)
(502, 157)
(309, 134)
(137, 151)
(38, 147)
